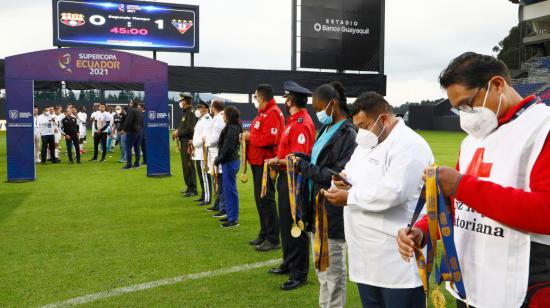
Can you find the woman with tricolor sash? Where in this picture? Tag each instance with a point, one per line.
(331, 151)
(500, 193)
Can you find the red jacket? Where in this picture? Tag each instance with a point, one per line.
(265, 134)
(299, 135)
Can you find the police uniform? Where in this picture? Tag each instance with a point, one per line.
(298, 136)
(186, 130)
(265, 133)
(201, 132)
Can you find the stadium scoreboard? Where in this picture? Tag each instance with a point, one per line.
(126, 25)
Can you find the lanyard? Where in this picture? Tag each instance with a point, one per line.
(244, 177)
(294, 182)
(320, 242)
(263, 192)
(439, 222)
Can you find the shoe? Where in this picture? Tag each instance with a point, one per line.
(204, 203)
(184, 191)
(255, 242)
(220, 214)
(199, 200)
(212, 209)
(136, 167)
(190, 194)
(267, 246)
(57, 161)
(278, 271)
(223, 219)
(78, 162)
(121, 161)
(71, 162)
(43, 162)
(93, 159)
(126, 167)
(230, 224)
(292, 284)
(102, 160)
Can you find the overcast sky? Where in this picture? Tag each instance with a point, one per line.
(421, 36)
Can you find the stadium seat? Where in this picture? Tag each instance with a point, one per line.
(526, 89)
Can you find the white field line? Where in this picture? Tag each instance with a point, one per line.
(157, 283)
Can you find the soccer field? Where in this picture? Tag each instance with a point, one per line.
(86, 229)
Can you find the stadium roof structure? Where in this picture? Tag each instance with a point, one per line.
(231, 80)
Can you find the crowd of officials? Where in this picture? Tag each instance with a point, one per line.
(111, 126)
(347, 193)
(350, 190)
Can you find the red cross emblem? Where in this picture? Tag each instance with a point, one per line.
(477, 167)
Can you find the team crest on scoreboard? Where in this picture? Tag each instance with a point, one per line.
(152, 115)
(72, 19)
(182, 25)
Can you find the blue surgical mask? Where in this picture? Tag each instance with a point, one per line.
(323, 117)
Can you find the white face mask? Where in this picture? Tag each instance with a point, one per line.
(481, 121)
(366, 138)
(198, 114)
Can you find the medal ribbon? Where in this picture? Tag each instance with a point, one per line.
(205, 157)
(439, 222)
(263, 192)
(244, 178)
(291, 186)
(320, 242)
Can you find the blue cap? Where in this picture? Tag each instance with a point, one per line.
(292, 87)
(202, 103)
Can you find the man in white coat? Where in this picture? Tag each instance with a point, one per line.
(385, 174)
(37, 138)
(218, 124)
(202, 129)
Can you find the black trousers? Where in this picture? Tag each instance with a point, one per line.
(267, 208)
(48, 143)
(295, 250)
(187, 166)
(73, 141)
(100, 138)
(205, 181)
(143, 148)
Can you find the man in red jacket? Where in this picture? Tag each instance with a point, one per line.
(265, 133)
(501, 188)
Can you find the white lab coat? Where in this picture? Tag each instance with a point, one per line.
(202, 129)
(386, 183)
(218, 124)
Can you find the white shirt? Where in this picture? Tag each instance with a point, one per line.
(386, 183)
(92, 118)
(82, 118)
(202, 129)
(45, 125)
(101, 119)
(213, 137)
(58, 118)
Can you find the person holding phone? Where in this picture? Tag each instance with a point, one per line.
(385, 171)
(332, 150)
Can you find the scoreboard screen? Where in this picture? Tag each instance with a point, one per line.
(126, 25)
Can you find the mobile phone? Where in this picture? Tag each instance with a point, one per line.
(339, 177)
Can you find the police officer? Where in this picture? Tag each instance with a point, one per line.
(263, 138)
(184, 134)
(298, 137)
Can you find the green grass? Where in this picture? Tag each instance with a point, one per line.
(82, 229)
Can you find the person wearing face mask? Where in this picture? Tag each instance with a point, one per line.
(500, 188)
(118, 120)
(298, 137)
(265, 133)
(212, 144)
(36, 130)
(332, 150)
(385, 173)
(46, 124)
(70, 129)
(202, 129)
(184, 134)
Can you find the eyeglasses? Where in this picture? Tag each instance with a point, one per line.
(466, 105)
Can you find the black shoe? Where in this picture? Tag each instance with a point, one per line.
(190, 194)
(255, 242)
(102, 160)
(220, 214)
(43, 162)
(57, 161)
(212, 209)
(223, 219)
(292, 284)
(136, 167)
(230, 224)
(267, 246)
(204, 203)
(278, 271)
(93, 159)
(199, 200)
(126, 167)
(78, 161)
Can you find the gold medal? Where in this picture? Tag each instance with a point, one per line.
(244, 178)
(438, 300)
(301, 225)
(295, 231)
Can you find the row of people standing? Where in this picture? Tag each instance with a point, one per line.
(209, 142)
